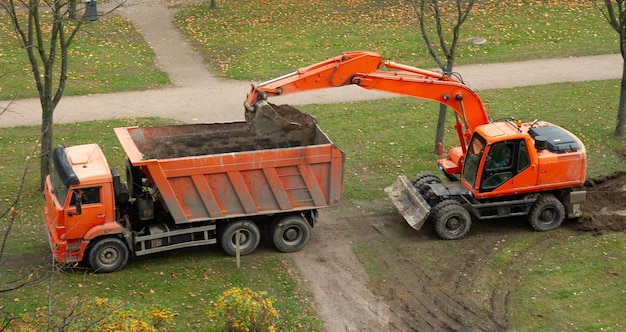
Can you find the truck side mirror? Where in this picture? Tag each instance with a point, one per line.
(78, 203)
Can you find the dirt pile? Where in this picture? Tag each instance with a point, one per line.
(605, 208)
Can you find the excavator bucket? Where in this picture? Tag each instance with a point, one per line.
(411, 205)
(266, 119)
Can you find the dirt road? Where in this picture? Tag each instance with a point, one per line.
(406, 298)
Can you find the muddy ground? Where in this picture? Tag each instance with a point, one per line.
(427, 284)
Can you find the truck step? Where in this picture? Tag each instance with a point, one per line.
(163, 239)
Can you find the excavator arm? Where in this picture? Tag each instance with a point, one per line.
(369, 71)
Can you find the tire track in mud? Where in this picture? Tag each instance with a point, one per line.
(339, 282)
(445, 302)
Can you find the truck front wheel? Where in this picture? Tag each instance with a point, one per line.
(249, 237)
(290, 234)
(547, 213)
(108, 255)
(451, 220)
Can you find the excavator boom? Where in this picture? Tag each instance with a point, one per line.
(369, 71)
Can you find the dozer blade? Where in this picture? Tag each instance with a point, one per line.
(411, 205)
(269, 120)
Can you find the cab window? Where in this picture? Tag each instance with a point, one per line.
(88, 196)
(524, 158)
(474, 155)
(498, 165)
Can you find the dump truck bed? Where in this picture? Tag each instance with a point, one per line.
(217, 171)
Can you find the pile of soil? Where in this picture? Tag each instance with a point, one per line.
(605, 208)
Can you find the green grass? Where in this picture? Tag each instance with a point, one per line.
(571, 284)
(575, 284)
(258, 40)
(106, 56)
(382, 139)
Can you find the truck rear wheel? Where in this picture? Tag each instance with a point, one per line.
(249, 237)
(108, 255)
(451, 220)
(290, 234)
(547, 213)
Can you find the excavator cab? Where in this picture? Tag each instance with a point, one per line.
(502, 161)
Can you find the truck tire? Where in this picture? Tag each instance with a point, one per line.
(451, 220)
(422, 179)
(290, 233)
(249, 237)
(547, 213)
(108, 255)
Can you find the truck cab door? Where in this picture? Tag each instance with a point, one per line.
(85, 209)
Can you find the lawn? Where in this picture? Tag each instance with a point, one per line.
(381, 139)
(261, 40)
(108, 55)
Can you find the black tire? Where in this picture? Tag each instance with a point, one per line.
(290, 233)
(422, 179)
(108, 255)
(451, 220)
(547, 213)
(249, 237)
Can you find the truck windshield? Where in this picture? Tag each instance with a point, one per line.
(58, 188)
(474, 155)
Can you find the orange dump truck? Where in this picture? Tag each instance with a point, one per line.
(189, 185)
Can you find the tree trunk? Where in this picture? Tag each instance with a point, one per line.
(621, 110)
(443, 110)
(213, 4)
(46, 143)
(441, 127)
(72, 9)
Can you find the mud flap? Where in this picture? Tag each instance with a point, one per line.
(411, 205)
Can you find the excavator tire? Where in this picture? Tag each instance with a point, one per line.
(422, 179)
(547, 213)
(451, 220)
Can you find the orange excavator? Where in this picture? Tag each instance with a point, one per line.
(501, 169)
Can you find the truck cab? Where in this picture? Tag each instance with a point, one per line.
(79, 205)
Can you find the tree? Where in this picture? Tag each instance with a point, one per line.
(46, 31)
(433, 15)
(615, 14)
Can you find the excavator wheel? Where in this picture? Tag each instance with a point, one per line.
(547, 213)
(422, 179)
(451, 220)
